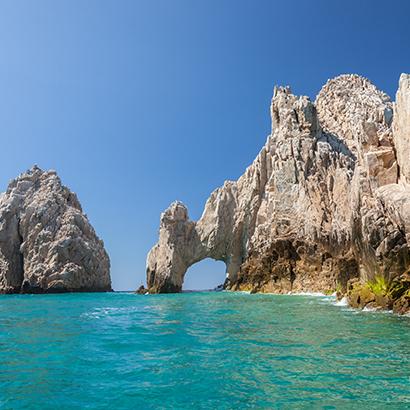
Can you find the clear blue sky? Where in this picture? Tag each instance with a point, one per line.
(139, 103)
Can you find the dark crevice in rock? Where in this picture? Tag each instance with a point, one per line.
(20, 256)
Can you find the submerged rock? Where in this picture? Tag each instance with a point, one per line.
(46, 242)
(326, 200)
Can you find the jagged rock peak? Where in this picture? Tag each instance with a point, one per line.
(177, 211)
(46, 243)
(345, 84)
(280, 89)
(352, 108)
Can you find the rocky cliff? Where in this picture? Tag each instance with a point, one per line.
(46, 242)
(324, 206)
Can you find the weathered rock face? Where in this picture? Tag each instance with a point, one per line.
(326, 200)
(401, 127)
(46, 242)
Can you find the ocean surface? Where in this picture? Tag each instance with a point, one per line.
(205, 350)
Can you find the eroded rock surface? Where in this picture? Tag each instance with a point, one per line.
(326, 200)
(46, 242)
(401, 127)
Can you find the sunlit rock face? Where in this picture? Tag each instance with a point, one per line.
(326, 200)
(46, 242)
(401, 127)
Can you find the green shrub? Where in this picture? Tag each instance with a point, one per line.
(379, 285)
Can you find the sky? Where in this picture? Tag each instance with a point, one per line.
(139, 103)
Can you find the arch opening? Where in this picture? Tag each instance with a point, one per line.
(206, 274)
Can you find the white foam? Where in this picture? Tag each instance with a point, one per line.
(316, 294)
(307, 294)
(341, 302)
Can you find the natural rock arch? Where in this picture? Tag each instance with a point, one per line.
(174, 256)
(321, 203)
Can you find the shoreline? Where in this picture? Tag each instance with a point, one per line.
(342, 302)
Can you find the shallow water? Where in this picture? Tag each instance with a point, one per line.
(199, 351)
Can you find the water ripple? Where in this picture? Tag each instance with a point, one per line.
(199, 351)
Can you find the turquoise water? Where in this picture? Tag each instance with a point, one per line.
(199, 351)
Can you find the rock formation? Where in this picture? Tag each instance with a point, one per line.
(46, 243)
(326, 201)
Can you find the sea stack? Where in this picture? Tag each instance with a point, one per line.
(324, 207)
(47, 244)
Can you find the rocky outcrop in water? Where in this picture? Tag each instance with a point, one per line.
(327, 199)
(46, 242)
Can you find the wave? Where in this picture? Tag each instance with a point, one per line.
(341, 302)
